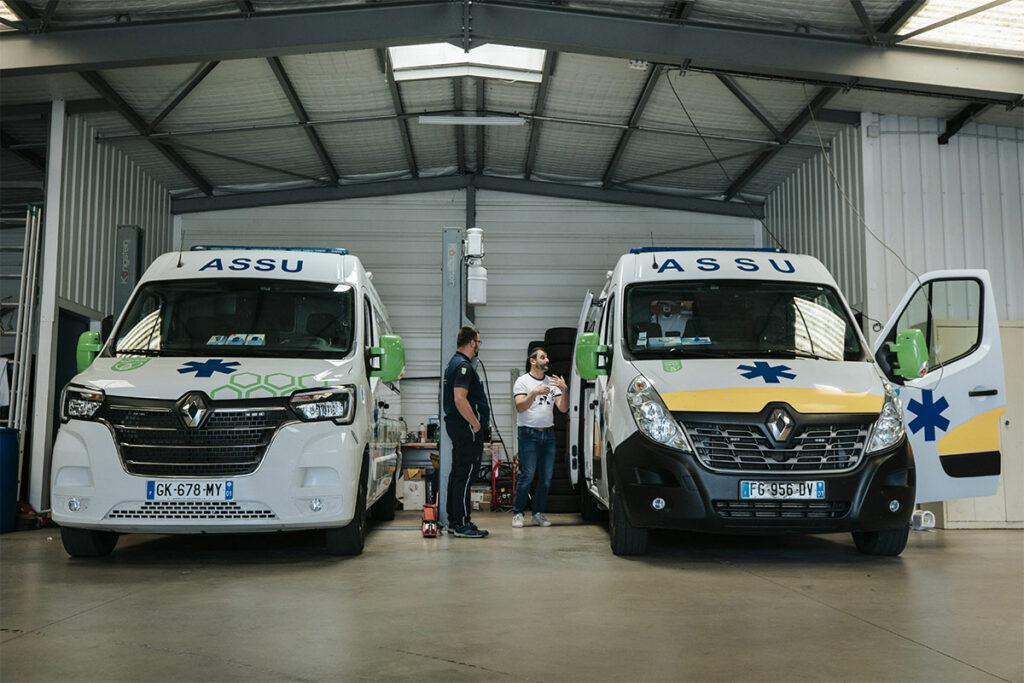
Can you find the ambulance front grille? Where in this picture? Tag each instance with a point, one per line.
(232, 440)
(191, 509)
(748, 448)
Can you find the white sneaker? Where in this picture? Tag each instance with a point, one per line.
(517, 520)
(540, 520)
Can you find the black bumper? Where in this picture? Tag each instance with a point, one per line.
(699, 499)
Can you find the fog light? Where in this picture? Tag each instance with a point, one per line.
(658, 503)
(316, 505)
(894, 506)
(74, 505)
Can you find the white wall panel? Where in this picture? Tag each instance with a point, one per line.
(102, 189)
(809, 213)
(542, 256)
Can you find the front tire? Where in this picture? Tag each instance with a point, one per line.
(349, 539)
(626, 539)
(87, 542)
(888, 543)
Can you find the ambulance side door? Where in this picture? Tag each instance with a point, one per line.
(951, 412)
(576, 403)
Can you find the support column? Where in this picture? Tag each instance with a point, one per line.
(46, 352)
(452, 314)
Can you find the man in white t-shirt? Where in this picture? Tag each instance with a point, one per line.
(536, 396)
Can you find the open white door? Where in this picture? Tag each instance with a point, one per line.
(952, 411)
(576, 398)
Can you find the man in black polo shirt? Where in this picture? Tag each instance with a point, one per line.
(466, 414)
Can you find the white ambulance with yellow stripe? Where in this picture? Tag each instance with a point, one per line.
(733, 391)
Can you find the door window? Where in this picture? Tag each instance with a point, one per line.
(369, 333)
(948, 312)
(608, 329)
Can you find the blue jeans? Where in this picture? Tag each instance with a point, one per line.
(536, 455)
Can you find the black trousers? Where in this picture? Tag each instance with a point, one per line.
(466, 451)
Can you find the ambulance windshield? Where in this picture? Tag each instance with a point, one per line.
(739, 318)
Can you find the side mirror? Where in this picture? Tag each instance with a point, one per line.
(588, 348)
(106, 327)
(89, 345)
(391, 353)
(911, 354)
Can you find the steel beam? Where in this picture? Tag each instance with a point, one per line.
(794, 127)
(40, 110)
(185, 91)
(140, 125)
(729, 48)
(300, 113)
(456, 182)
(396, 100)
(865, 21)
(538, 108)
(481, 133)
(552, 27)
(14, 147)
(319, 194)
(247, 162)
(690, 167)
(953, 125)
(460, 131)
(901, 15)
(653, 74)
(738, 93)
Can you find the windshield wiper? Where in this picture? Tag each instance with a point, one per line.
(138, 352)
(796, 353)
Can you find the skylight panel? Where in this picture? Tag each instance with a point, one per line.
(996, 30)
(441, 60)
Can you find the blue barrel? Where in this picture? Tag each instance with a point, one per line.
(8, 478)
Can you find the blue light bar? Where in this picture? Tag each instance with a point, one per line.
(651, 250)
(340, 251)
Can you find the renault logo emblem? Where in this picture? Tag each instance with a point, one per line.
(193, 409)
(780, 424)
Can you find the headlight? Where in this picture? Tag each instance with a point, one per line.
(80, 403)
(330, 403)
(652, 417)
(888, 428)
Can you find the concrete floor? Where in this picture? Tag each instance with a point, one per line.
(533, 604)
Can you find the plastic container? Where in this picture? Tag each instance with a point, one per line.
(476, 285)
(8, 479)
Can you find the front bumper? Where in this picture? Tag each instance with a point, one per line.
(699, 499)
(304, 461)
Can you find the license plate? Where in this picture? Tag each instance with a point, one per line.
(190, 490)
(782, 490)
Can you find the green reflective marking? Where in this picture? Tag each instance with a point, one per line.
(672, 365)
(126, 364)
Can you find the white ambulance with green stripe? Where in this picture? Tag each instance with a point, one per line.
(242, 389)
(733, 391)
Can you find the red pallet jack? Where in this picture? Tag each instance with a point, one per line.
(430, 519)
(503, 481)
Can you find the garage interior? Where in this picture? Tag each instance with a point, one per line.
(884, 137)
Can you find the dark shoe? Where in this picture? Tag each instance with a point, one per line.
(485, 532)
(468, 531)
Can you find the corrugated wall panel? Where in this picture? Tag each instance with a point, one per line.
(814, 213)
(542, 256)
(946, 206)
(103, 188)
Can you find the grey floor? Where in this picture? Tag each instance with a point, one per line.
(526, 604)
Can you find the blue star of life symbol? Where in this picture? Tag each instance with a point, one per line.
(928, 414)
(771, 374)
(207, 368)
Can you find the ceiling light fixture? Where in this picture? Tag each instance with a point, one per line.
(447, 120)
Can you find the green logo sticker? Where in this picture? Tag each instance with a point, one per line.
(252, 385)
(463, 369)
(126, 364)
(672, 365)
